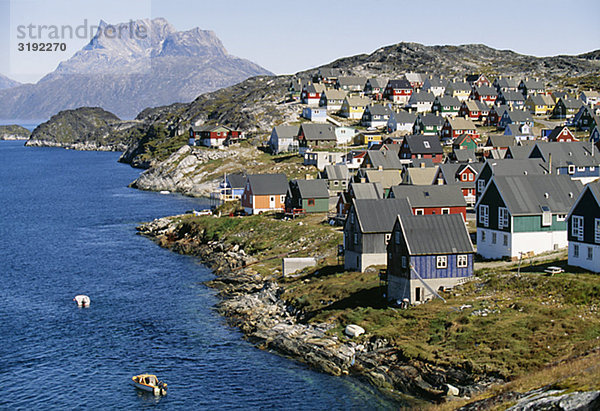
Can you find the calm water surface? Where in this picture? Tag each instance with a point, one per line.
(67, 226)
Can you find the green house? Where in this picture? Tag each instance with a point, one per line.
(310, 196)
(464, 141)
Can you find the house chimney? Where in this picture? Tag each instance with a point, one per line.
(550, 162)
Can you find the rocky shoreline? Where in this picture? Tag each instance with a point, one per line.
(251, 303)
(80, 146)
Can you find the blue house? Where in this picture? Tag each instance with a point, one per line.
(316, 114)
(579, 159)
(427, 253)
(232, 187)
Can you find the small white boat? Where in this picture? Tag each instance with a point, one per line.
(82, 300)
(149, 383)
(164, 192)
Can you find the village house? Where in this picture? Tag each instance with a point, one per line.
(264, 192)
(475, 110)
(420, 174)
(369, 137)
(465, 142)
(508, 167)
(561, 134)
(595, 136)
(515, 117)
(428, 124)
(315, 135)
(354, 107)
(566, 108)
(321, 159)
(213, 135)
(315, 114)
(417, 266)
(432, 199)
(485, 94)
(398, 91)
(465, 155)
(332, 100)
(477, 80)
(311, 94)
(590, 97)
(420, 102)
(415, 80)
(328, 76)
(367, 231)
(345, 135)
(585, 119)
(539, 104)
(446, 106)
(375, 116)
(462, 176)
(512, 99)
(231, 187)
(353, 85)
(382, 160)
(307, 196)
(386, 178)
(337, 177)
(521, 132)
(531, 87)
(506, 84)
(454, 127)
(374, 88)
(401, 122)
(435, 85)
(359, 191)
(459, 89)
(284, 139)
(421, 146)
(579, 160)
(295, 88)
(583, 233)
(524, 214)
(495, 115)
(354, 159)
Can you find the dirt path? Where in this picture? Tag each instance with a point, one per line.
(550, 256)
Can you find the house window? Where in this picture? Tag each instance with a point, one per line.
(419, 211)
(397, 237)
(351, 218)
(597, 230)
(590, 253)
(580, 168)
(505, 240)
(355, 238)
(484, 215)
(577, 227)
(471, 177)
(403, 261)
(592, 168)
(445, 211)
(426, 144)
(464, 177)
(502, 217)
(387, 237)
(480, 186)
(493, 238)
(571, 169)
(441, 261)
(561, 217)
(282, 199)
(576, 250)
(311, 202)
(462, 261)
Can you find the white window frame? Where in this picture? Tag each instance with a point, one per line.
(577, 227)
(571, 169)
(576, 250)
(462, 261)
(441, 261)
(597, 230)
(404, 261)
(387, 237)
(445, 211)
(480, 185)
(484, 214)
(419, 211)
(503, 217)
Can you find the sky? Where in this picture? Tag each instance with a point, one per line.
(286, 37)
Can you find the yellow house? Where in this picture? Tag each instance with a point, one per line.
(539, 104)
(366, 138)
(459, 89)
(354, 107)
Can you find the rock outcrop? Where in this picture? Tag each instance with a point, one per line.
(14, 132)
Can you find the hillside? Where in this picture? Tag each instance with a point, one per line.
(5, 82)
(126, 75)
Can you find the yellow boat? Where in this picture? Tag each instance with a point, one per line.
(149, 383)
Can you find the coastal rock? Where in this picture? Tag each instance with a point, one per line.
(353, 330)
(14, 132)
(558, 400)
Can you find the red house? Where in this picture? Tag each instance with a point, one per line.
(461, 175)
(399, 91)
(485, 94)
(561, 134)
(434, 199)
(214, 135)
(495, 115)
(473, 109)
(454, 127)
(418, 146)
(478, 80)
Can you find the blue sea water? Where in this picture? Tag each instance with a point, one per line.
(67, 226)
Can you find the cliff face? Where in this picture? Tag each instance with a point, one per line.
(88, 128)
(125, 75)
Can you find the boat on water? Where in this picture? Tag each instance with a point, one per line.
(82, 300)
(149, 383)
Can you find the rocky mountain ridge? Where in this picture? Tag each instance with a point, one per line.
(6, 82)
(124, 75)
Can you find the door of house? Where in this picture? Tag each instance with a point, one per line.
(272, 202)
(417, 293)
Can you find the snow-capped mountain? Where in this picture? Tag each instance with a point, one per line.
(149, 64)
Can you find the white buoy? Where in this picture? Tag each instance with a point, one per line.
(82, 300)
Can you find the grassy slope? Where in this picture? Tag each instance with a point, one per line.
(531, 319)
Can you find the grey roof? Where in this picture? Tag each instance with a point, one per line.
(572, 103)
(402, 83)
(450, 171)
(336, 172)
(533, 84)
(526, 195)
(448, 101)
(352, 81)
(378, 216)
(387, 160)
(366, 191)
(286, 131)
(315, 88)
(520, 116)
(465, 155)
(578, 153)
(265, 184)
(435, 234)
(318, 132)
(500, 109)
(501, 141)
(377, 82)
(422, 176)
(537, 100)
(422, 96)
(518, 152)
(334, 94)
(458, 86)
(507, 82)
(556, 132)
(236, 180)
(511, 95)
(379, 109)
(422, 144)
(386, 178)
(311, 188)
(515, 167)
(430, 196)
(404, 117)
(515, 130)
(431, 120)
(330, 72)
(419, 162)
(486, 91)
